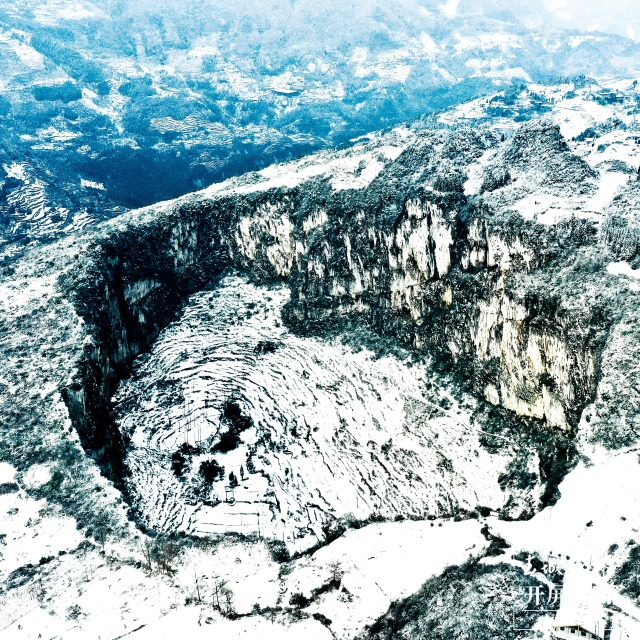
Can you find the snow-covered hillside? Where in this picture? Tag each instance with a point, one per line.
(311, 399)
(334, 432)
(111, 105)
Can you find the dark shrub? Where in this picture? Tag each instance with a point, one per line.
(266, 346)
(137, 88)
(67, 92)
(298, 600)
(211, 471)
(8, 487)
(237, 421)
(181, 459)
(495, 180)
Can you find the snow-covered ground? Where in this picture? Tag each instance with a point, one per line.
(86, 594)
(353, 168)
(92, 595)
(213, 352)
(603, 134)
(623, 269)
(30, 529)
(336, 432)
(587, 532)
(382, 563)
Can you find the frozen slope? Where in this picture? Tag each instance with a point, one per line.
(321, 434)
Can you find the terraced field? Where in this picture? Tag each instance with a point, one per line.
(320, 431)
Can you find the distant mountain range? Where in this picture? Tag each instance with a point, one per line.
(116, 104)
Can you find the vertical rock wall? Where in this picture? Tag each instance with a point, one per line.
(440, 282)
(136, 278)
(427, 277)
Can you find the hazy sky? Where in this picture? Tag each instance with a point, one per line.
(621, 17)
(611, 16)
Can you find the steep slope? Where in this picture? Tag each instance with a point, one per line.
(409, 260)
(313, 430)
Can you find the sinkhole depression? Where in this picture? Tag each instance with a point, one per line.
(288, 361)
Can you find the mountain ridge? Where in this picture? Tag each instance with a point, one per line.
(98, 92)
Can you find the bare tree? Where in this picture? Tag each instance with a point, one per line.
(335, 568)
(164, 553)
(216, 594)
(147, 552)
(195, 575)
(227, 601)
(222, 597)
(100, 535)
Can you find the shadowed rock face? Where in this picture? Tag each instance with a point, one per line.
(137, 279)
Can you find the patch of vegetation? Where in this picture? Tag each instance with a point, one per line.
(449, 181)
(588, 133)
(627, 575)
(623, 238)
(161, 553)
(8, 487)
(299, 601)
(497, 545)
(21, 576)
(137, 88)
(556, 451)
(211, 471)
(74, 612)
(322, 619)
(495, 179)
(181, 459)
(237, 423)
(266, 346)
(338, 527)
(67, 92)
(470, 601)
(280, 554)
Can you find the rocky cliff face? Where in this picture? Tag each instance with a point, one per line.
(136, 278)
(429, 324)
(437, 282)
(437, 270)
(515, 309)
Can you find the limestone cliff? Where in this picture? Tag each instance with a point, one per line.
(437, 270)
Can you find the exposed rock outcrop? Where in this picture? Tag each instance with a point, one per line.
(483, 292)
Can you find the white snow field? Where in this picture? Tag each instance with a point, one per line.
(611, 149)
(105, 596)
(337, 432)
(380, 562)
(599, 507)
(352, 168)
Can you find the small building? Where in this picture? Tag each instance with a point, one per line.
(581, 621)
(573, 631)
(581, 614)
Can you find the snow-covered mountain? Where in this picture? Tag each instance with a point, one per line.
(110, 105)
(375, 392)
